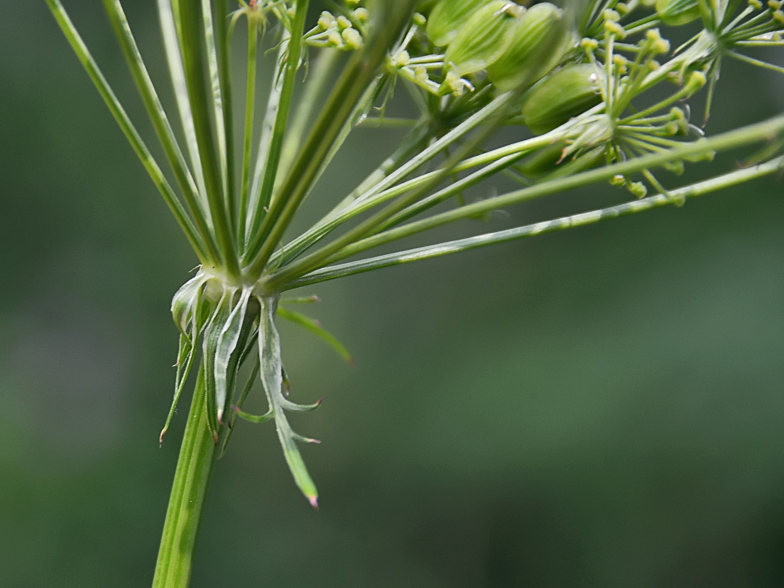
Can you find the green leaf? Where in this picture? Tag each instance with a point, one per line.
(243, 395)
(225, 349)
(272, 379)
(212, 335)
(252, 418)
(315, 327)
(184, 360)
(185, 301)
(299, 300)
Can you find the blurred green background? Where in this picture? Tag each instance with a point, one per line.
(601, 407)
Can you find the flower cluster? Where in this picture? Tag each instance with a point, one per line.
(593, 92)
(344, 31)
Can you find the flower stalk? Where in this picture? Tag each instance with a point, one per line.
(186, 502)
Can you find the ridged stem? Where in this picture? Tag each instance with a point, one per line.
(194, 466)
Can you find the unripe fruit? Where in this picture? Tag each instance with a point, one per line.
(538, 41)
(484, 38)
(677, 12)
(448, 17)
(567, 93)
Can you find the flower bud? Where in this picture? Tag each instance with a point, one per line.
(539, 40)
(326, 20)
(677, 12)
(361, 14)
(448, 17)
(567, 93)
(352, 38)
(484, 38)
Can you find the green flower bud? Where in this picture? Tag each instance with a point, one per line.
(618, 180)
(448, 17)
(567, 93)
(484, 38)
(361, 14)
(677, 12)
(539, 40)
(352, 38)
(326, 20)
(638, 189)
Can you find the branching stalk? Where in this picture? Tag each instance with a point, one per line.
(250, 102)
(675, 197)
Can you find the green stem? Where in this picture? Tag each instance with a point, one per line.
(149, 163)
(279, 279)
(191, 478)
(410, 145)
(675, 197)
(192, 42)
(250, 100)
(160, 122)
(281, 120)
(315, 259)
(265, 140)
(339, 107)
(320, 76)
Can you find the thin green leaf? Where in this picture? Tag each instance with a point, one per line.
(262, 418)
(212, 335)
(185, 301)
(241, 399)
(225, 349)
(272, 379)
(315, 327)
(184, 361)
(300, 300)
